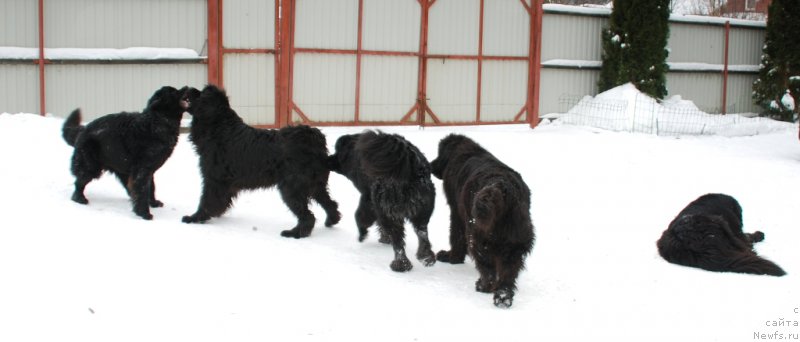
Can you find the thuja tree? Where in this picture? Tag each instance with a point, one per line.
(635, 46)
(777, 89)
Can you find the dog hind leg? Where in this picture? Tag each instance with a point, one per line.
(321, 196)
(365, 217)
(297, 201)
(395, 229)
(85, 168)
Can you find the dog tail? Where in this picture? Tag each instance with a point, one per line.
(72, 127)
(487, 205)
(754, 264)
(391, 156)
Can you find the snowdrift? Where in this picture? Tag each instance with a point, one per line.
(626, 109)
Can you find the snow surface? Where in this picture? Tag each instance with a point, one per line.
(600, 201)
(626, 109)
(132, 53)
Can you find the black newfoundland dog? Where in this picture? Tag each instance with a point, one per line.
(236, 157)
(132, 146)
(708, 234)
(394, 180)
(489, 215)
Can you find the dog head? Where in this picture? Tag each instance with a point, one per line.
(210, 103)
(188, 96)
(448, 147)
(343, 159)
(166, 101)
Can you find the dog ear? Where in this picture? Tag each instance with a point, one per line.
(437, 167)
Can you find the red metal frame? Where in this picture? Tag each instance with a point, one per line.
(284, 65)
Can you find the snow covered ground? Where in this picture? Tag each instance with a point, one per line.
(600, 201)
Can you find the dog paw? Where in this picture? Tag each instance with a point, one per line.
(156, 204)
(401, 265)
(427, 258)
(484, 286)
(295, 233)
(446, 256)
(145, 215)
(503, 298)
(757, 236)
(362, 237)
(193, 219)
(333, 219)
(79, 198)
(385, 239)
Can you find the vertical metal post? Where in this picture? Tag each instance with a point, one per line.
(285, 54)
(422, 102)
(358, 61)
(725, 69)
(480, 64)
(535, 68)
(214, 42)
(42, 97)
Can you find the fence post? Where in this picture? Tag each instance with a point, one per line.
(214, 42)
(42, 97)
(725, 69)
(535, 68)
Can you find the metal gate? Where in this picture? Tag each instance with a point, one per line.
(377, 62)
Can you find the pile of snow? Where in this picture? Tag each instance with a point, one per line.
(132, 53)
(626, 109)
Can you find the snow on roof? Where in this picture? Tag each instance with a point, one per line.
(693, 19)
(132, 53)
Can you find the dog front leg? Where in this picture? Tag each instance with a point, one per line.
(215, 200)
(139, 188)
(458, 241)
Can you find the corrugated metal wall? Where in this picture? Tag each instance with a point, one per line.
(110, 88)
(19, 88)
(18, 23)
(249, 78)
(325, 83)
(98, 87)
(689, 42)
(125, 23)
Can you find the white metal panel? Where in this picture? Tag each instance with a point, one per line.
(109, 88)
(250, 85)
(704, 89)
(696, 43)
(746, 46)
(391, 25)
(324, 86)
(572, 37)
(248, 24)
(19, 23)
(740, 93)
(503, 89)
(388, 87)
(560, 89)
(126, 23)
(19, 90)
(506, 27)
(453, 89)
(453, 27)
(326, 24)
